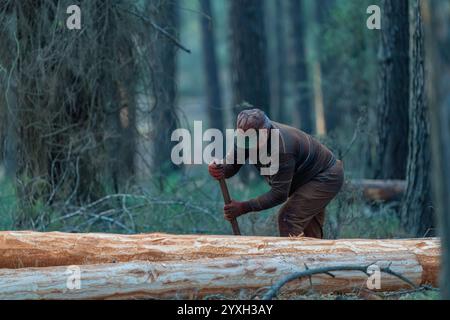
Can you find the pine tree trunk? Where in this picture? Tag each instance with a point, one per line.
(280, 68)
(8, 98)
(212, 83)
(250, 80)
(437, 20)
(70, 141)
(319, 107)
(392, 126)
(163, 60)
(417, 213)
(304, 113)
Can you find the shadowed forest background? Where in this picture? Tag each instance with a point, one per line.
(86, 115)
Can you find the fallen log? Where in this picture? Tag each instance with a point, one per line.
(378, 190)
(240, 276)
(33, 249)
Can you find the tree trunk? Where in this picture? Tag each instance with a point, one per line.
(201, 277)
(437, 19)
(280, 68)
(196, 266)
(250, 80)
(163, 61)
(303, 98)
(392, 127)
(32, 249)
(70, 145)
(212, 83)
(8, 98)
(417, 212)
(314, 26)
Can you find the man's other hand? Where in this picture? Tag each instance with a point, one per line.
(216, 171)
(235, 209)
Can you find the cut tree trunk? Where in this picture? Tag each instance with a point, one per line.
(378, 190)
(252, 264)
(24, 249)
(193, 266)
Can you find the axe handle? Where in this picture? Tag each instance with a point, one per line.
(227, 200)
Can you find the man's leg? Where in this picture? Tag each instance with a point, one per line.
(304, 212)
(315, 227)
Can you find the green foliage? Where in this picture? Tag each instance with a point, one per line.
(427, 295)
(192, 203)
(8, 204)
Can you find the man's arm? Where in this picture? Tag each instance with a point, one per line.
(281, 184)
(231, 165)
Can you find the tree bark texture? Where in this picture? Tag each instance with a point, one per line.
(250, 80)
(417, 209)
(392, 119)
(304, 109)
(212, 82)
(437, 20)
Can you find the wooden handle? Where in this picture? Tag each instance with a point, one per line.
(227, 200)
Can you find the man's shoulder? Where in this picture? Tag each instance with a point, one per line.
(289, 137)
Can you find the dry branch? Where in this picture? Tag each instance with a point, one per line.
(273, 291)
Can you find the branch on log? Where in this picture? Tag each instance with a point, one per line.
(378, 190)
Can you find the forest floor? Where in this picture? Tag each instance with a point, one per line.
(429, 294)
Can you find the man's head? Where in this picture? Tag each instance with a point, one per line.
(253, 119)
(251, 122)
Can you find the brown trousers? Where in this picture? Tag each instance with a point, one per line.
(304, 211)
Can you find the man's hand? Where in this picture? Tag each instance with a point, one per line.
(235, 209)
(216, 171)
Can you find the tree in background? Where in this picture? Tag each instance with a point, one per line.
(417, 215)
(249, 74)
(276, 17)
(164, 67)
(74, 103)
(8, 94)
(212, 83)
(437, 20)
(318, 11)
(304, 112)
(392, 125)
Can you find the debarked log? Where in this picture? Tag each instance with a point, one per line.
(24, 249)
(197, 278)
(378, 190)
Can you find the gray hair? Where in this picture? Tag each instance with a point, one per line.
(253, 119)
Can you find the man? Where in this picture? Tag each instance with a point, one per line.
(308, 178)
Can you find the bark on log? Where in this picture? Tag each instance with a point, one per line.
(192, 266)
(378, 190)
(23, 249)
(201, 277)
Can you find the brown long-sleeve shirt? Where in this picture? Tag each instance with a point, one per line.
(301, 158)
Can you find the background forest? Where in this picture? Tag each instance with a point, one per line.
(86, 115)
